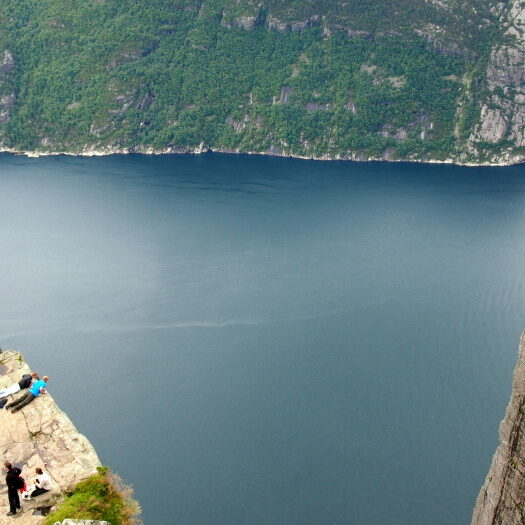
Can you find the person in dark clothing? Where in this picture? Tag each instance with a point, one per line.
(13, 482)
(36, 389)
(25, 382)
(27, 379)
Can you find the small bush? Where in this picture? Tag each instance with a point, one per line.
(101, 497)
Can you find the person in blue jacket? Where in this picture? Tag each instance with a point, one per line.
(36, 389)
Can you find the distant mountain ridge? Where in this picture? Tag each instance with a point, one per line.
(434, 80)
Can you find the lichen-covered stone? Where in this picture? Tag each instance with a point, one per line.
(40, 434)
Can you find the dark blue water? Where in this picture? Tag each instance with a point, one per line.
(268, 341)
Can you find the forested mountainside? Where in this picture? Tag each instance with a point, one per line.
(394, 79)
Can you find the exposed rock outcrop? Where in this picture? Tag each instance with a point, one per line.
(7, 96)
(437, 37)
(296, 26)
(248, 22)
(6, 103)
(502, 497)
(8, 63)
(40, 434)
(284, 97)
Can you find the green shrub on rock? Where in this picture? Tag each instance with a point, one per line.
(99, 497)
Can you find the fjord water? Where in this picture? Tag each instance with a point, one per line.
(268, 341)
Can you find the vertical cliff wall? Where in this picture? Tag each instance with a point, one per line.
(502, 497)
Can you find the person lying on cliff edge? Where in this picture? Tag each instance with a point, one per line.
(38, 388)
(26, 381)
(42, 485)
(13, 482)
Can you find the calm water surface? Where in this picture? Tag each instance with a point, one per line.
(258, 341)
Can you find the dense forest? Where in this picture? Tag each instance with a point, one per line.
(359, 79)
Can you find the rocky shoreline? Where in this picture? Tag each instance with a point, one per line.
(201, 149)
(40, 435)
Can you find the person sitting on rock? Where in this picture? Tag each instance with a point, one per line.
(38, 388)
(42, 484)
(25, 382)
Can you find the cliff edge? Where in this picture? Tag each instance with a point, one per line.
(40, 434)
(502, 497)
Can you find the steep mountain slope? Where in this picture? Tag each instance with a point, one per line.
(355, 79)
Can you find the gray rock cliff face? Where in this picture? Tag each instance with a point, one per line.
(502, 498)
(40, 435)
(503, 110)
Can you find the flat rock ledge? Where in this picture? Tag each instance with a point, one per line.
(40, 434)
(502, 497)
